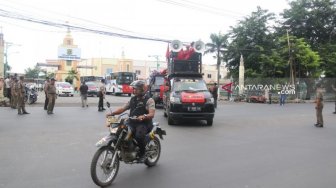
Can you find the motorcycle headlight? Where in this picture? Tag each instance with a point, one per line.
(210, 100)
(114, 130)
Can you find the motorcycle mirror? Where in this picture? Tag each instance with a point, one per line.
(108, 104)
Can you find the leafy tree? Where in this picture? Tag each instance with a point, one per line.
(252, 38)
(315, 21)
(32, 72)
(72, 74)
(218, 43)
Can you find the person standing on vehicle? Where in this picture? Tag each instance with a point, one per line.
(214, 93)
(46, 101)
(51, 91)
(83, 92)
(101, 94)
(20, 92)
(142, 107)
(319, 106)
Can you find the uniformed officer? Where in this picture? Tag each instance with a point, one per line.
(319, 106)
(20, 92)
(142, 107)
(14, 93)
(51, 90)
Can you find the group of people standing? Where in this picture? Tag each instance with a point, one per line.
(83, 89)
(14, 90)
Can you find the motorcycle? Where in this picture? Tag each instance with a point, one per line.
(30, 95)
(120, 145)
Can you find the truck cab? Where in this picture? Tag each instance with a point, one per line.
(186, 95)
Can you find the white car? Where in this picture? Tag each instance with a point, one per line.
(64, 88)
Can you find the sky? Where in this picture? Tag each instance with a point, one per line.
(184, 20)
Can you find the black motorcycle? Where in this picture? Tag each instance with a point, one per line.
(118, 146)
(30, 95)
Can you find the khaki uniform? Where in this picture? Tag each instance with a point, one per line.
(20, 91)
(51, 90)
(13, 94)
(319, 107)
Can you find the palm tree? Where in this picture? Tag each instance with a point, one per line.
(218, 43)
(72, 74)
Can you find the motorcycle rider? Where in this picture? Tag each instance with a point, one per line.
(142, 107)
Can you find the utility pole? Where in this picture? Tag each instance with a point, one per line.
(7, 45)
(157, 60)
(290, 62)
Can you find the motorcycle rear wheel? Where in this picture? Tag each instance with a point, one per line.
(153, 152)
(108, 172)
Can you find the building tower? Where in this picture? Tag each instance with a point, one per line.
(68, 57)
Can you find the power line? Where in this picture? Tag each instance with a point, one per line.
(86, 21)
(17, 16)
(200, 7)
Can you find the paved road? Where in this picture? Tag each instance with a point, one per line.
(249, 146)
(76, 100)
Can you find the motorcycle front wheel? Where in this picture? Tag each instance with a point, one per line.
(153, 152)
(103, 172)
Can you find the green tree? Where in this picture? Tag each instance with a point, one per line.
(218, 44)
(315, 21)
(72, 74)
(32, 72)
(253, 38)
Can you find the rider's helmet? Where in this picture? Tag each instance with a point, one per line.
(140, 85)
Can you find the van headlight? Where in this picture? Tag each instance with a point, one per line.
(175, 100)
(210, 100)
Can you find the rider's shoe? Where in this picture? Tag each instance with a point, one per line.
(142, 159)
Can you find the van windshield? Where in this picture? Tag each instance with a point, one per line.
(189, 85)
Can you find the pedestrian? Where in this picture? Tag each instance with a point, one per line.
(8, 89)
(2, 86)
(83, 92)
(20, 93)
(319, 106)
(214, 92)
(282, 97)
(46, 101)
(2, 89)
(14, 95)
(334, 88)
(101, 95)
(51, 91)
(270, 97)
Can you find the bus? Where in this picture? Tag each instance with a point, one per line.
(90, 79)
(118, 83)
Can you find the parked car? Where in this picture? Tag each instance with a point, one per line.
(64, 88)
(257, 99)
(93, 88)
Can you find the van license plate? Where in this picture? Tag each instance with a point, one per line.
(194, 108)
